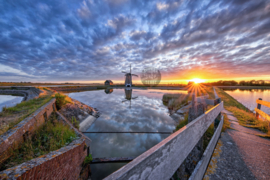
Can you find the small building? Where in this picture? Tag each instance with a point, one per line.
(108, 83)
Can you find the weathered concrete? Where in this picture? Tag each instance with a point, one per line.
(85, 124)
(65, 163)
(13, 137)
(162, 160)
(201, 167)
(27, 92)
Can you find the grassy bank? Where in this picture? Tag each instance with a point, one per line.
(13, 115)
(244, 115)
(51, 136)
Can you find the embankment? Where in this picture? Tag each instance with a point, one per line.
(27, 92)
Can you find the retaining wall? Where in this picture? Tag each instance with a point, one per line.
(27, 92)
(13, 137)
(65, 163)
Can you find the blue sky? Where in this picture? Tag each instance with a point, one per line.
(72, 40)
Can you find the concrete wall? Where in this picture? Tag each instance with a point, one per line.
(65, 163)
(161, 161)
(13, 137)
(27, 92)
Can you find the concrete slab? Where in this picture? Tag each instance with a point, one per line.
(85, 124)
(230, 117)
(227, 112)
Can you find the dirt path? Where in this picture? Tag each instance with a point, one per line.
(240, 154)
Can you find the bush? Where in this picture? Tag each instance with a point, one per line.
(61, 100)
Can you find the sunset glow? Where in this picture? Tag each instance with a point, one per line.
(197, 80)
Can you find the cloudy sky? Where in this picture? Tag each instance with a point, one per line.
(88, 41)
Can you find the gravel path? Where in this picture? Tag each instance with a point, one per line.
(240, 154)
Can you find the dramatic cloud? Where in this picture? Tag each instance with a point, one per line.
(94, 40)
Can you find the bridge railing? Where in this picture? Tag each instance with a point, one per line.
(259, 111)
(161, 161)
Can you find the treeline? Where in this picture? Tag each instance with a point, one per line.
(240, 83)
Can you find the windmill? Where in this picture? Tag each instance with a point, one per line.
(128, 81)
(128, 93)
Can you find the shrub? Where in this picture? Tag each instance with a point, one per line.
(61, 100)
(88, 159)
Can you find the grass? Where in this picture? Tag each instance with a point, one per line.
(210, 92)
(244, 115)
(208, 135)
(49, 137)
(61, 100)
(226, 123)
(182, 123)
(14, 115)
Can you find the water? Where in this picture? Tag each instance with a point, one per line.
(125, 110)
(9, 101)
(248, 97)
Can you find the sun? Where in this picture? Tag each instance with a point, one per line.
(197, 80)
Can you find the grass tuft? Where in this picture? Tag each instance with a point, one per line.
(61, 100)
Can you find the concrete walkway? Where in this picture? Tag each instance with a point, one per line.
(240, 154)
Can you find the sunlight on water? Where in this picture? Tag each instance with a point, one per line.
(249, 97)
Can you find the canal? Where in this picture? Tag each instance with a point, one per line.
(125, 110)
(9, 101)
(248, 97)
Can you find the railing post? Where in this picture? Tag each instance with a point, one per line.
(218, 118)
(258, 107)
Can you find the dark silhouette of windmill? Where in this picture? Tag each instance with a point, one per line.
(128, 93)
(128, 81)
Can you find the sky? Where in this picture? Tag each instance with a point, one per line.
(91, 41)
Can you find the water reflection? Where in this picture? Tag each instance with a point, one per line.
(108, 91)
(128, 93)
(245, 90)
(148, 114)
(9, 101)
(248, 97)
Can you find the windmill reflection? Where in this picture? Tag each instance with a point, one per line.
(128, 93)
(108, 91)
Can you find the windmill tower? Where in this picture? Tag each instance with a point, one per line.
(128, 81)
